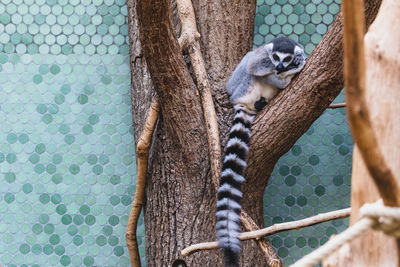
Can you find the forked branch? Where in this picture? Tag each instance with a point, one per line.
(142, 155)
(189, 40)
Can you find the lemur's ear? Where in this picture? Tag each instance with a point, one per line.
(269, 47)
(259, 63)
(298, 50)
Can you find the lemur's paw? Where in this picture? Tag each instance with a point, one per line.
(260, 104)
(297, 60)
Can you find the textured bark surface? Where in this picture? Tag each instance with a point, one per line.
(179, 168)
(180, 199)
(226, 29)
(142, 89)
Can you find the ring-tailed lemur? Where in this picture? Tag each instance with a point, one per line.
(257, 79)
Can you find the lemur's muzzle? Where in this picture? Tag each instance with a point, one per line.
(280, 68)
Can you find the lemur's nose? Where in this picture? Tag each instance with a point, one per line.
(280, 67)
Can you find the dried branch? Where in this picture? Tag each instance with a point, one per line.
(358, 113)
(142, 155)
(189, 40)
(189, 34)
(339, 105)
(276, 228)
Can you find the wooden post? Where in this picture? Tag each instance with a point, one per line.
(382, 102)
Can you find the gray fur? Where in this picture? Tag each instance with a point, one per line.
(240, 80)
(259, 65)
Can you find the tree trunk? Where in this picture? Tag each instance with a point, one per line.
(180, 199)
(382, 79)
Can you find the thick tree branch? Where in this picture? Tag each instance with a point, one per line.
(169, 75)
(178, 177)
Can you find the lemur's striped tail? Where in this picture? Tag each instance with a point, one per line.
(229, 192)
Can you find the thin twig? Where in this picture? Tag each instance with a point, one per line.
(276, 228)
(142, 155)
(339, 105)
(358, 112)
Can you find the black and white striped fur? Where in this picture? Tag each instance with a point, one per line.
(254, 82)
(229, 193)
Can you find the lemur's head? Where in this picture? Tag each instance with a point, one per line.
(286, 54)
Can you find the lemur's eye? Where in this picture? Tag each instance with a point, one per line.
(287, 59)
(275, 57)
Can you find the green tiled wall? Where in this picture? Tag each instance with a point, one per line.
(66, 145)
(313, 177)
(67, 159)
(303, 20)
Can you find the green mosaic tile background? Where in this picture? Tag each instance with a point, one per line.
(66, 145)
(313, 177)
(67, 162)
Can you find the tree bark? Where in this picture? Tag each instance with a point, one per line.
(180, 200)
